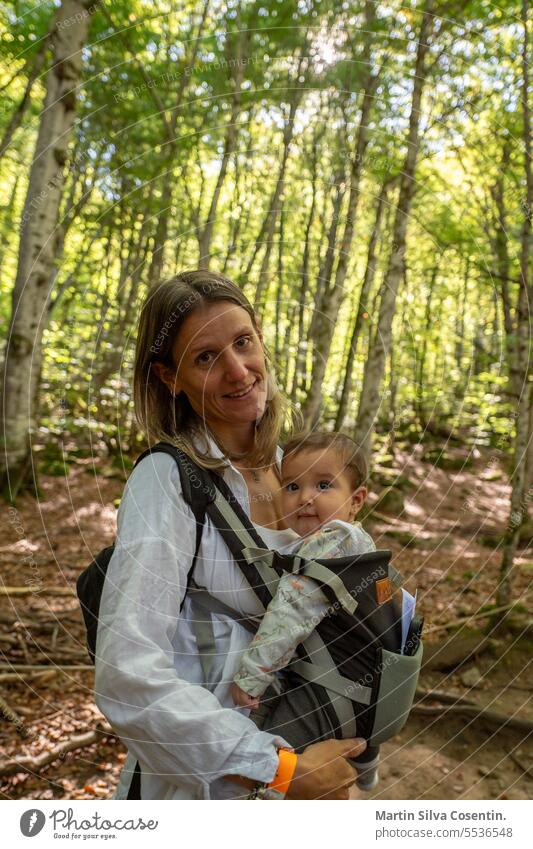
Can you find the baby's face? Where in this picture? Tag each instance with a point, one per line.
(317, 489)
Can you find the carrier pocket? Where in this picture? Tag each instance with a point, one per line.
(397, 685)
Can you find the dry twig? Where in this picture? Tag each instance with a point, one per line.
(37, 591)
(473, 710)
(35, 764)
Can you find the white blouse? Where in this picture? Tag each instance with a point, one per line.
(149, 682)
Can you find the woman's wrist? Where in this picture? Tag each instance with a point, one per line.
(287, 760)
(279, 786)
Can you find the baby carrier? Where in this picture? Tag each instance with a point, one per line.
(353, 659)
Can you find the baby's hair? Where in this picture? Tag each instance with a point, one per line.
(345, 447)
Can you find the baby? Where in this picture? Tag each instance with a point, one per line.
(323, 489)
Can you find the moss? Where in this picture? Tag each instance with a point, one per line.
(391, 501)
(490, 540)
(123, 463)
(447, 461)
(386, 460)
(404, 537)
(51, 452)
(56, 468)
(82, 452)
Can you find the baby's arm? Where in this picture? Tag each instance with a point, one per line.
(294, 612)
(292, 615)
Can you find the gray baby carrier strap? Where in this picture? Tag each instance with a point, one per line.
(352, 659)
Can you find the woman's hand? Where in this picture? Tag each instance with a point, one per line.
(322, 771)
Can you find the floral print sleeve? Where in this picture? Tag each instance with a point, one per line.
(296, 609)
(294, 612)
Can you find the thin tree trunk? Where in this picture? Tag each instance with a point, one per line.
(362, 308)
(460, 325)
(500, 240)
(132, 268)
(299, 381)
(279, 293)
(38, 242)
(237, 48)
(523, 343)
(237, 220)
(528, 476)
(334, 294)
(7, 221)
(502, 263)
(170, 157)
(420, 372)
(73, 209)
(38, 63)
(277, 198)
(381, 340)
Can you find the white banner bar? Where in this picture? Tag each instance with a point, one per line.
(356, 823)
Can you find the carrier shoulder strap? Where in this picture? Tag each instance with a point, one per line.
(262, 573)
(196, 484)
(241, 537)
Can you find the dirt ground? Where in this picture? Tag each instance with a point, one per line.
(443, 527)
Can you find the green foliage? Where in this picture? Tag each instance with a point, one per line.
(450, 363)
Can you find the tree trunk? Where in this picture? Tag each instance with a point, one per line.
(36, 68)
(519, 503)
(528, 476)
(279, 296)
(237, 220)
(38, 241)
(420, 377)
(276, 200)
(381, 339)
(170, 157)
(500, 240)
(460, 327)
(362, 309)
(237, 49)
(328, 261)
(132, 269)
(7, 221)
(334, 294)
(299, 378)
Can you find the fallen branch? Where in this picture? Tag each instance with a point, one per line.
(25, 667)
(13, 717)
(477, 712)
(42, 618)
(35, 764)
(13, 677)
(525, 769)
(37, 590)
(441, 696)
(481, 614)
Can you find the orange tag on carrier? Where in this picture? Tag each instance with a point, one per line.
(383, 591)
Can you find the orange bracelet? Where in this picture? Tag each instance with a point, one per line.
(284, 772)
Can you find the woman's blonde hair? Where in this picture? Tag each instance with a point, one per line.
(168, 418)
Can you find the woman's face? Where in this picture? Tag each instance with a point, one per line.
(220, 366)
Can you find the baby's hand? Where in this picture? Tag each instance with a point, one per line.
(243, 699)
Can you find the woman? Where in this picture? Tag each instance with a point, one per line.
(202, 381)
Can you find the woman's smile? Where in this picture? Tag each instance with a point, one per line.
(220, 366)
(241, 393)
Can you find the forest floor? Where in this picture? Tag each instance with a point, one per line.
(444, 527)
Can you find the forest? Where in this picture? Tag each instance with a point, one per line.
(363, 171)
